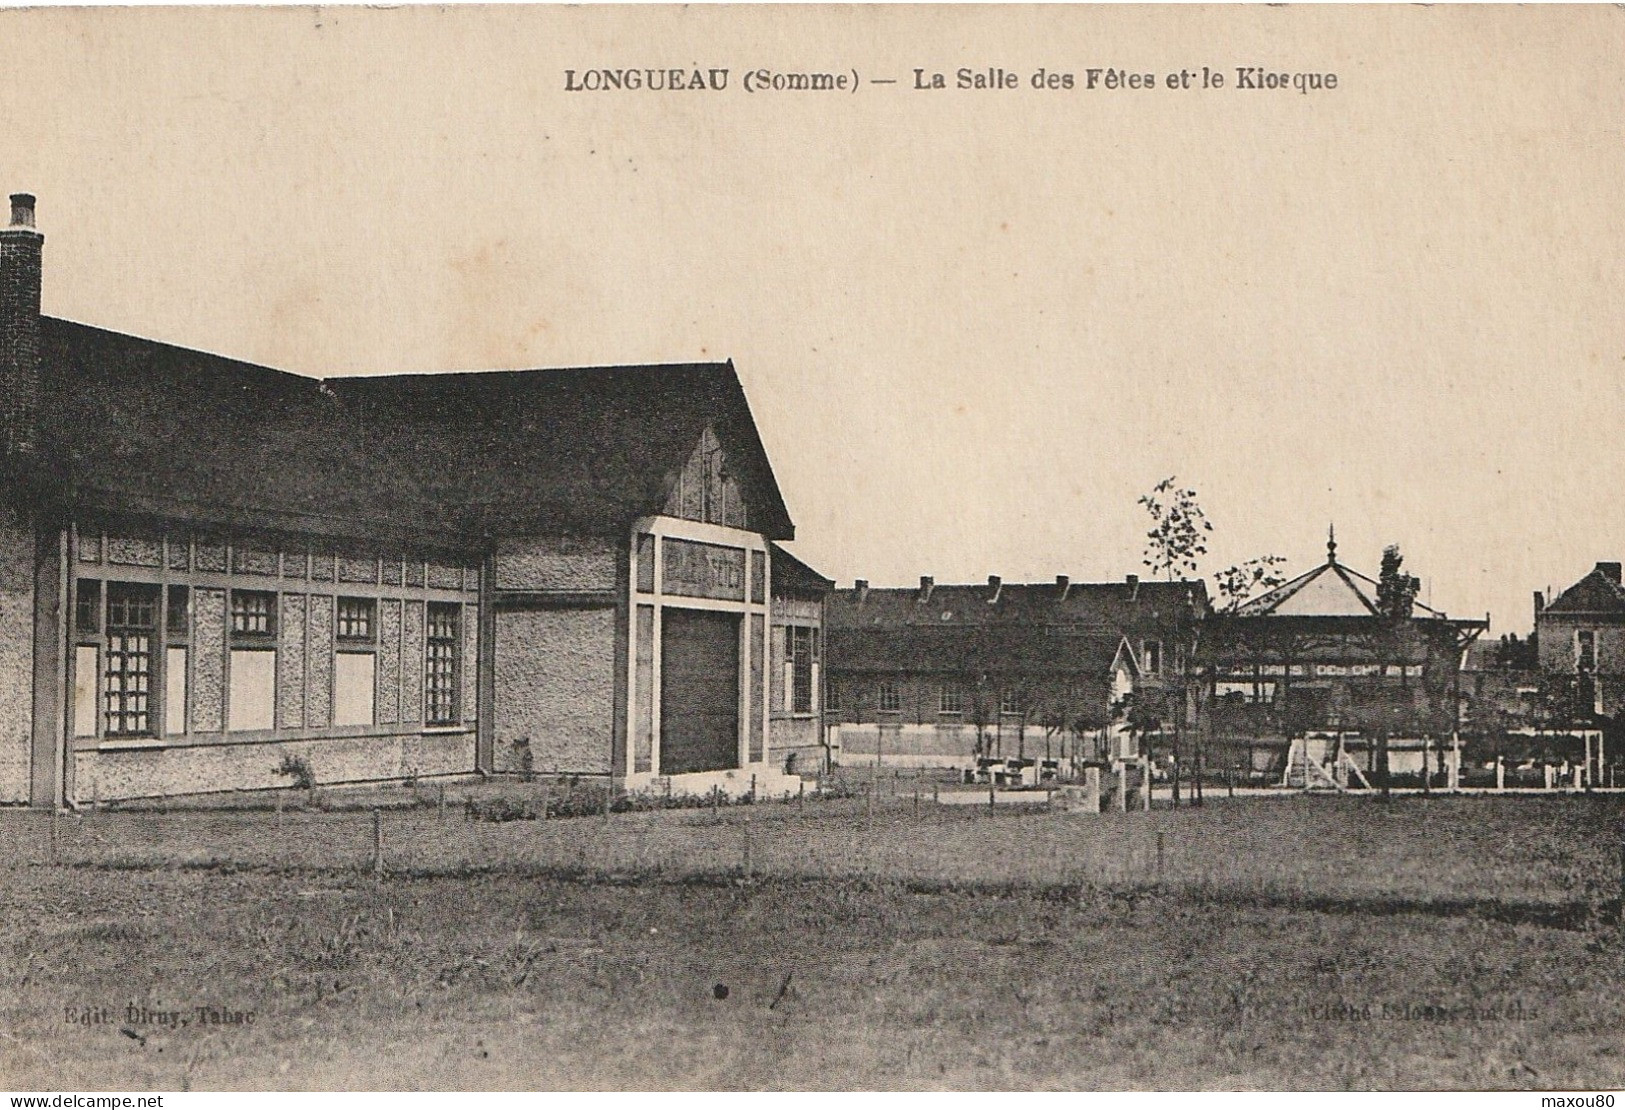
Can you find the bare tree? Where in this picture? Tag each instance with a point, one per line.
(1177, 539)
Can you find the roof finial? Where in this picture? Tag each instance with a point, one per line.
(1331, 543)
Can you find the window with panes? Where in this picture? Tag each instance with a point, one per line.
(132, 628)
(802, 645)
(440, 666)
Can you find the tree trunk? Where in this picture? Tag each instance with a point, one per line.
(1382, 762)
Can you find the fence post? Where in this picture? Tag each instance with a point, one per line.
(1159, 857)
(440, 802)
(745, 850)
(547, 790)
(56, 818)
(801, 794)
(278, 794)
(992, 798)
(753, 790)
(716, 805)
(377, 842)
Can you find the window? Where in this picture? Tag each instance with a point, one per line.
(177, 610)
(802, 646)
(253, 613)
(950, 700)
(833, 698)
(354, 688)
(355, 621)
(887, 699)
(440, 673)
(88, 606)
(1585, 651)
(127, 674)
(1151, 656)
(1249, 693)
(1010, 701)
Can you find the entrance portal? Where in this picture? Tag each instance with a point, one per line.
(699, 691)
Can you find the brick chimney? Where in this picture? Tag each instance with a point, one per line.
(1133, 582)
(861, 588)
(927, 584)
(1609, 571)
(20, 250)
(1540, 604)
(995, 585)
(1063, 587)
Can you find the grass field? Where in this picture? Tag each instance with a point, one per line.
(1283, 943)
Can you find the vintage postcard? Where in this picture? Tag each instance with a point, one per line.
(811, 548)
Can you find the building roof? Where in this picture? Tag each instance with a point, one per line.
(790, 573)
(137, 425)
(1329, 590)
(972, 650)
(1596, 593)
(1051, 627)
(1104, 608)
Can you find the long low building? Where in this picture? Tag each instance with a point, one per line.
(216, 575)
(950, 675)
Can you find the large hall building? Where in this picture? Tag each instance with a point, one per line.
(210, 570)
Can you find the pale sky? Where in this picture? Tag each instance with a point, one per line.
(974, 326)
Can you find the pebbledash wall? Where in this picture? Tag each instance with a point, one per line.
(557, 603)
(16, 656)
(244, 651)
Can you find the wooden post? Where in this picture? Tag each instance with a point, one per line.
(992, 798)
(1091, 790)
(1230, 780)
(745, 848)
(916, 803)
(716, 805)
(440, 801)
(1159, 857)
(278, 794)
(801, 794)
(1145, 783)
(377, 842)
(56, 818)
(1500, 772)
(753, 790)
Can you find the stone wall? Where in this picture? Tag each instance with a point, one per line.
(557, 564)
(155, 772)
(555, 689)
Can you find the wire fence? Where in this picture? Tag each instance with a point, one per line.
(1543, 859)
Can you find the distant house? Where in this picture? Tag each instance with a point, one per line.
(942, 675)
(1581, 634)
(1311, 672)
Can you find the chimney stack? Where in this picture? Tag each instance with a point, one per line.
(862, 588)
(994, 585)
(1609, 571)
(1063, 586)
(1133, 587)
(21, 248)
(927, 584)
(1540, 603)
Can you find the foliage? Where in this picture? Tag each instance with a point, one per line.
(1396, 590)
(1176, 540)
(1513, 654)
(297, 768)
(1236, 584)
